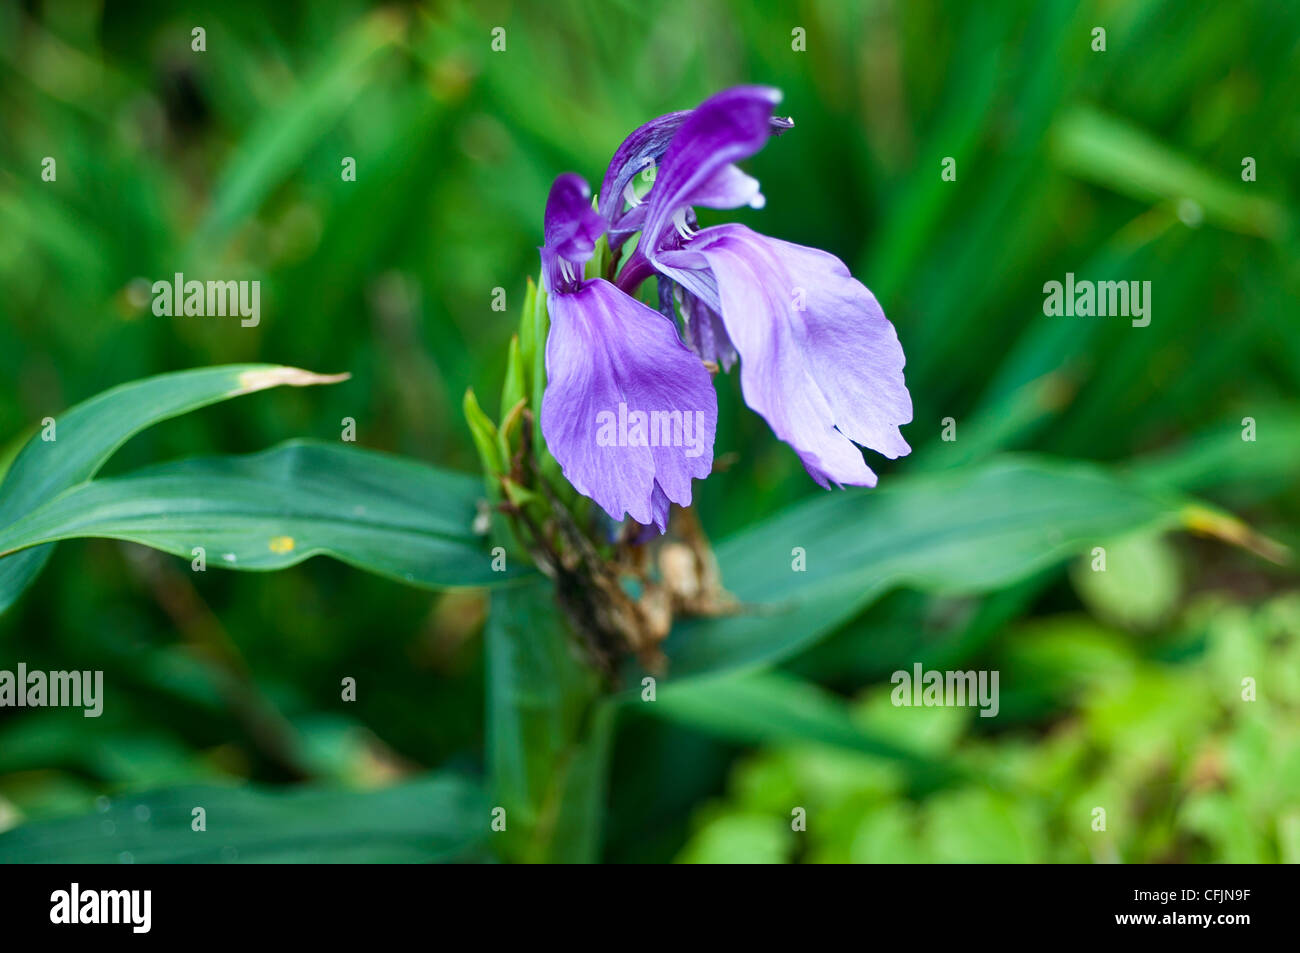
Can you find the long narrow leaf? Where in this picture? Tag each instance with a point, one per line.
(85, 436)
(442, 817)
(809, 569)
(274, 509)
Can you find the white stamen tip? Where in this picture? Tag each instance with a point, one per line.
(679, 223)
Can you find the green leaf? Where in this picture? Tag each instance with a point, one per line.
(484, 432)
(548, 732)
(269, 510)
(513, 400)
(981, 826)
(91, 432)
(1139, 586)
(527, 335)
(774, 708)
(963, 531)
(539, 323)
(740, 839)
(1222, 457)
(436, 818)
(513, 389)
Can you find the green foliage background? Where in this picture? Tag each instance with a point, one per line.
(1120, 691)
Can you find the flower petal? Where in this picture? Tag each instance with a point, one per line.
(608, 358)
(660, 507)
(641, 150)
(645, 147)
(697, 166)
(705, 333)
(571, 229)
(819, 360)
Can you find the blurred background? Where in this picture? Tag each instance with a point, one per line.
(1121, 164)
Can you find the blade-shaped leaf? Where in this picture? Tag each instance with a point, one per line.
(89, 433)
(960, 531)
(274, 509)
(442, 817)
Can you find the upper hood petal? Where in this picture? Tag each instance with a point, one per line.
(697, 164)
(642, 149)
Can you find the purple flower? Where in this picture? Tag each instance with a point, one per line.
(818, 358)
(629, 411)
(640, 151)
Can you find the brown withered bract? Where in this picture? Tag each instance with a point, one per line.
(620, 598)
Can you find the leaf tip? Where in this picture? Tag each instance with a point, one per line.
(1207, 522)
(266, 377)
